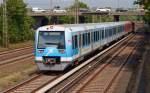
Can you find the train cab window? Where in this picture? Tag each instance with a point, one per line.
(75, 42)
(51, 39)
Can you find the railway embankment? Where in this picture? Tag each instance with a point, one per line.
(140, 81)
(146, 69)
(16, 46)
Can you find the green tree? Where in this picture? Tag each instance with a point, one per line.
(1, 25)
(140, 2)
(70, 19)
(146, 4)
(19, 22)
(80, 4)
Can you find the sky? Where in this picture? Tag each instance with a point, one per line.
(92, 3)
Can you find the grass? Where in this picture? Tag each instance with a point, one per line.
(15, 78)
(15, 46)
(15, 74)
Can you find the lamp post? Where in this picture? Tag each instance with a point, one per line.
(5, 26)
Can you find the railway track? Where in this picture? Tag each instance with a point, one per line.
(64, 83)
(14, 55)
(101, 79)
(104, 77)
(32, 84)
(14, 50)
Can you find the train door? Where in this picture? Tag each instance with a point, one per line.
(75, 46)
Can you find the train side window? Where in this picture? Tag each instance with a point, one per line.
(109, 32)
(114, 31)
(89, 38)
(80, 40)
(118, 29)
(102, 34)
(122, 28)
(106, 33)
(97, 35)
(86, 38)
(83, 39)
(94, 36)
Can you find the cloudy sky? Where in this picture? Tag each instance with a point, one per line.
(91, 3)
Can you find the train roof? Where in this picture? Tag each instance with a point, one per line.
(87, 25)
(91, 24)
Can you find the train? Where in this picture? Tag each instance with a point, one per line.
(59, 46)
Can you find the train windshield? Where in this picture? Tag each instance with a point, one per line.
(51, 39)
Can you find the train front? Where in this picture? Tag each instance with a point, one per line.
(50, 49)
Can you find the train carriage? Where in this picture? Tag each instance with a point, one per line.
(59, 46)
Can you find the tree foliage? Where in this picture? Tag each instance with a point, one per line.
(140, 2)
(146, 7)
(19, 24)
(80, 5)
(1, 25)
(71, 19)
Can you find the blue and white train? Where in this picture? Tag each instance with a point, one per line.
(59, 46)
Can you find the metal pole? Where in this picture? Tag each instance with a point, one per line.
(117, 3)
(93, 19)
(100, 18)
(76, 11)
(5, 29)
(50, 10)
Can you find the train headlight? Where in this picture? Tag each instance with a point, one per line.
(62, 51)
(40, 51)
